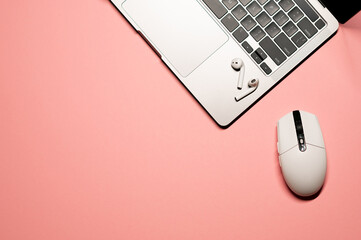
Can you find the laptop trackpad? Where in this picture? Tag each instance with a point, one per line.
(181, 30)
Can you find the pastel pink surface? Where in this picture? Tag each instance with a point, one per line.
(93, 147)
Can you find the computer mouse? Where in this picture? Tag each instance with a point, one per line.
(302, 153)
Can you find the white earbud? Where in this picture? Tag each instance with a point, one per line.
(253, 85)
(238, 66)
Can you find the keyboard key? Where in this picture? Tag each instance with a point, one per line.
(307, 9)
(272, 30)
(307, 28)
(271, 7)
(248, 23)
(263, 19)
(262, 1)
(254, 8)
(320, 24)
(216, 7)
(244, 2)
(247, 47)
(286, 5)
(290, 28)
(273, 51)
(295, 14)
(240, 34)
(280, 18)
(261, 54)
(265, 68)
(257, 33)
(229, 22)
(256, 58)
(299, 39)
(239, 12)
(230, 3)
(285, 44)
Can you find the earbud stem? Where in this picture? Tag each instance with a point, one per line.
(240, 78)
(245, 94)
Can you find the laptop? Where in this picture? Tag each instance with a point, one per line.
(200, 40)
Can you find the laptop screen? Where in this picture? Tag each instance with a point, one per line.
(343, 10)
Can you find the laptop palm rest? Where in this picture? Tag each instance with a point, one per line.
(185, 35)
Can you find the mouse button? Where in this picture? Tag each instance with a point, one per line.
(312, 129)
(286, 133)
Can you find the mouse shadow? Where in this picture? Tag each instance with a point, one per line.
(308, 198)
(284, 184)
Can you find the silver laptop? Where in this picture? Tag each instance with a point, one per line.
(202, 40)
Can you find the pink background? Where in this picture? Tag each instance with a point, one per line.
(92, 147)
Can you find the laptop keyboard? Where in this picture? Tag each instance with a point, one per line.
(268, 28)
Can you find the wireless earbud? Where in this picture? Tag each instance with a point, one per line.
(238, 66)
(253, 85)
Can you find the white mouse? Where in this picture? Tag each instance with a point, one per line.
(302, 153)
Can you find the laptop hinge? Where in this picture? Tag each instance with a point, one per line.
(323, 5)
